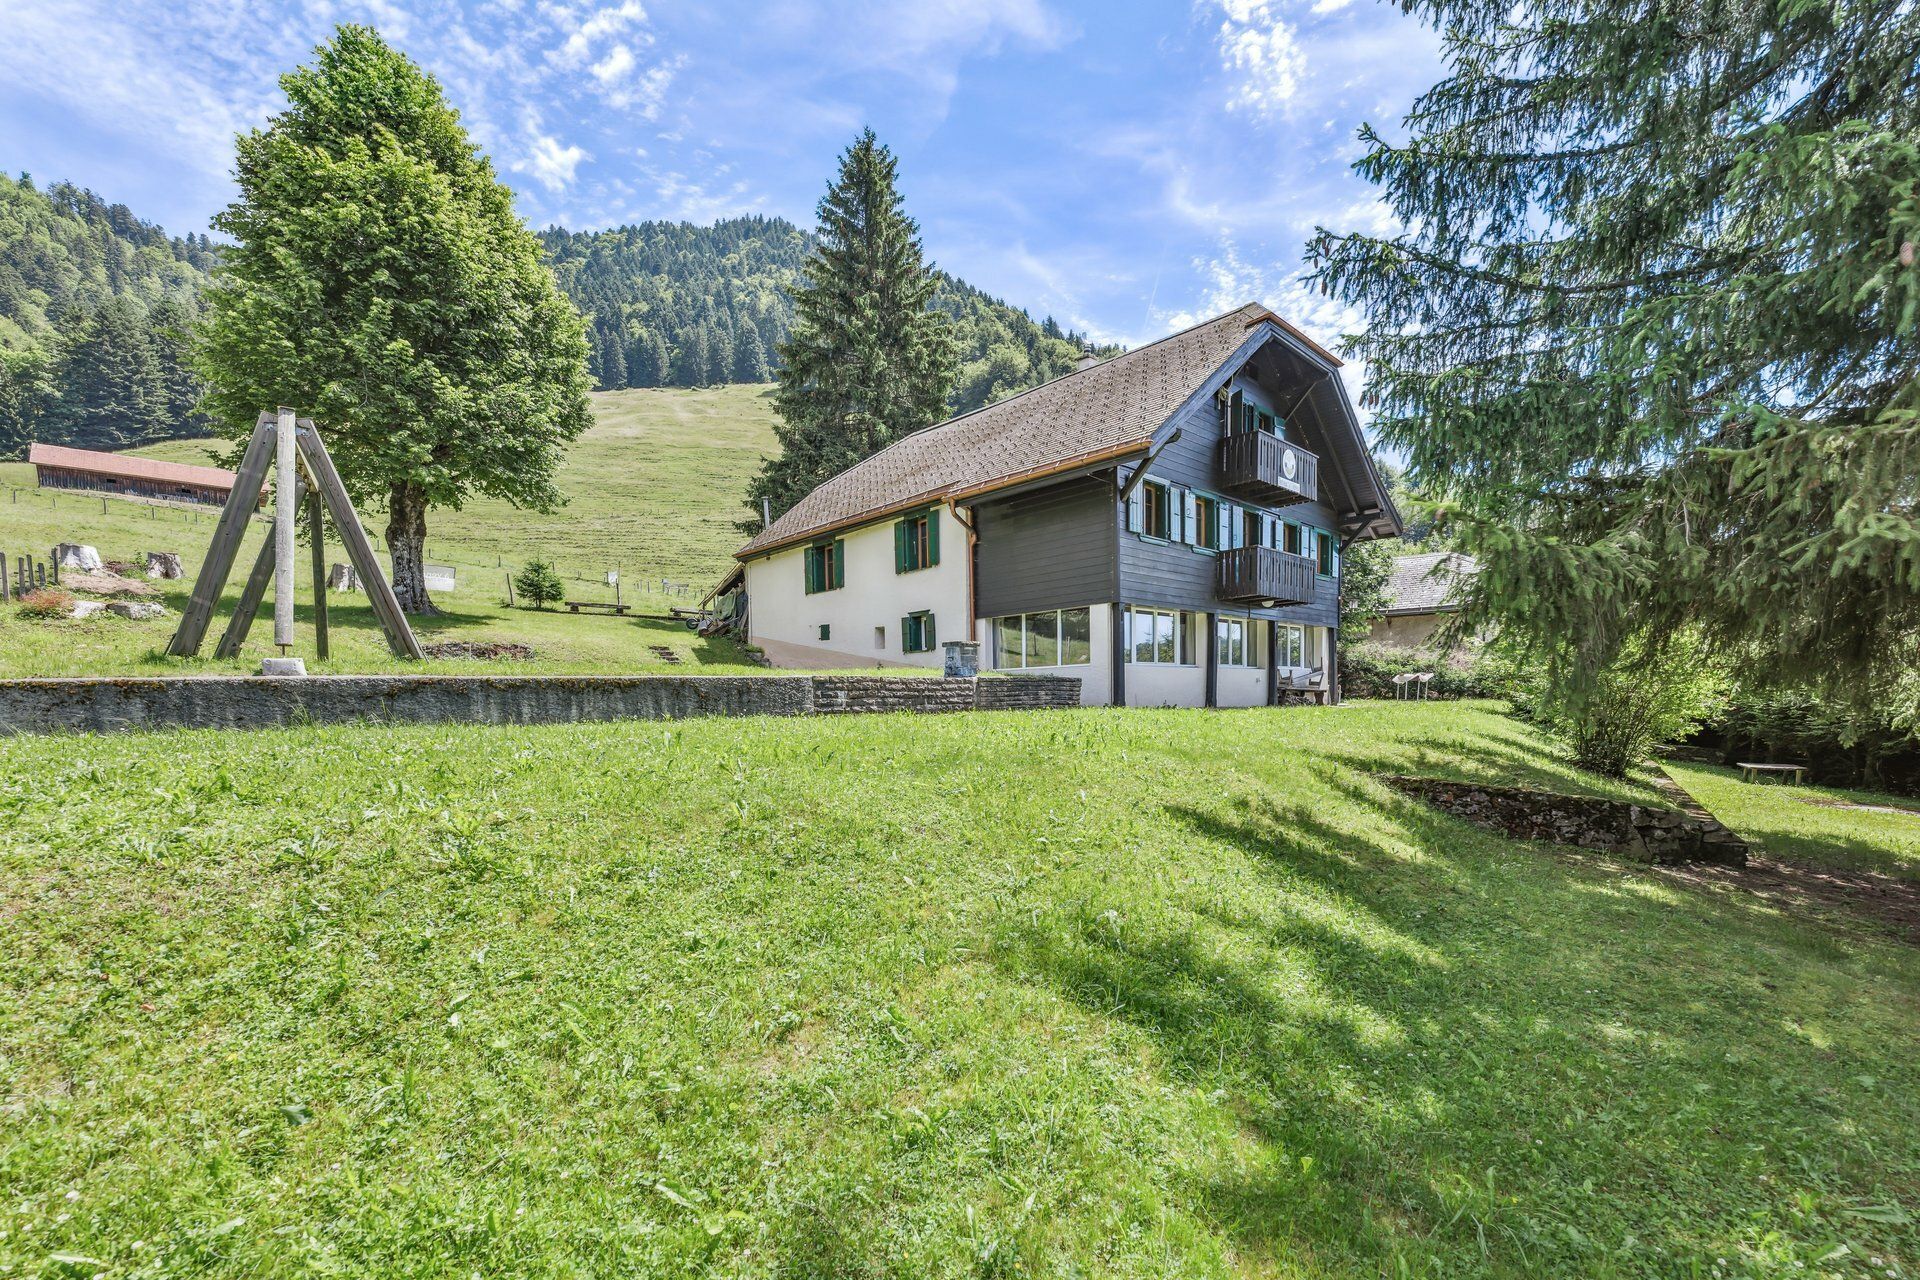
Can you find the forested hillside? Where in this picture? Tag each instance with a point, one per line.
(672, 304)
(95, 306)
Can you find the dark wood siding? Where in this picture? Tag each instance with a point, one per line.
(1172, 575)
(1047, 548)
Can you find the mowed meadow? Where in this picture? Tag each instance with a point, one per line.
(1100, 993)
(654, 490)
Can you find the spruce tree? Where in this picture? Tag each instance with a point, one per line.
(750, 357)
(867, 361)
(110, 394)
(613, 360)
(690, 363)
(380, 281)
(1653, 333)
(172, 331)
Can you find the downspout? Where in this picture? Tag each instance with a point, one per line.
(973, 543)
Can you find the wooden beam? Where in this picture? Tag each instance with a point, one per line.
(386, 607)
(247, 483)
(235, 636)
(1140, 472)
(317, 534)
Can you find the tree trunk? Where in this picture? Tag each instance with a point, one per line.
(407, 540)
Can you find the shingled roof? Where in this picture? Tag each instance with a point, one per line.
(1108, 410)
(1425, 583)
(127, 466)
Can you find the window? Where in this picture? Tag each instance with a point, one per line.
(826, 565)
(1325, 557)
(1206, 523)
(1056, 638)
(1157, 636)
(1158, 511)
(1291, 539)
(1230, 642)
(916, 633)
(916, 542)
(1292, 646)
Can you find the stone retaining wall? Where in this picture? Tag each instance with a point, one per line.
(1641, 832)
(247, 702)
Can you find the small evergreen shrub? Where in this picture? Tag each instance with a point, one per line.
(538, 583)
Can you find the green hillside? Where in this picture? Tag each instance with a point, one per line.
(654, 488)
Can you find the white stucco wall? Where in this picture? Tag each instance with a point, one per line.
(1242, 687)
(785, 621)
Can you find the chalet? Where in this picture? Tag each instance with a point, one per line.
(1167, 525)
(58, 467)
(1423, 593)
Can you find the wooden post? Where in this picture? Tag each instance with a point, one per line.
(247, 483)
(509, 590)
(286, 511)
(264, 564)
(317, 534)
(386, 608)
(1211, 621)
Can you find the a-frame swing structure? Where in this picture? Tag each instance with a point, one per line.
(314, 481)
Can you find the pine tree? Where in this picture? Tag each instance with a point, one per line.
(750, 357)
(690, 364)
(381, 281)
(719, 355)
(613, 360)
(867, 361)
(110, 393)
(1653, 334)
(172, 330)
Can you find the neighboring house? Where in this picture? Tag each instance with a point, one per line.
(1166, 525)
(1423, 591)
(58, 467)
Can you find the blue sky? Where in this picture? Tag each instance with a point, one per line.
(1127, 167)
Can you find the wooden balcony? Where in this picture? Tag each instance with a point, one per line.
(1261, 575)
(1264, 468)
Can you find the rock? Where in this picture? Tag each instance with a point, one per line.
(164, 564)
(104, 582)
(75, 555)
(341, 577)
(87, 608)
(282, 667)
(136, 610)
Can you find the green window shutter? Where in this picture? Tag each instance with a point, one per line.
(900, 546)
(906, 634)
(929, 643)
(839, 562)
(810, 561)
(933, 537)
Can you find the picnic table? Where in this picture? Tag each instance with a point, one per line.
(1790, 773)
(575, 606)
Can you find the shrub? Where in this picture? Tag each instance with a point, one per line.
(1655, 690)
(1367, 671)
(46, 602)
(1840, 744)
(539, 583)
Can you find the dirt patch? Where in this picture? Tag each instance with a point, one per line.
(483, 649)
(1891, 904)
(104, 582)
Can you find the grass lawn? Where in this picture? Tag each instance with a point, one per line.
(1812, 825)
(1100, 993)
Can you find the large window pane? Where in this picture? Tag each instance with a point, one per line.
(1043, 639)
(1076, 637)
(1007, 642)
(1165, 646)
(1142, 644)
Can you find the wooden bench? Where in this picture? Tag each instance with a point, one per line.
(575, 606)
(1793, 773)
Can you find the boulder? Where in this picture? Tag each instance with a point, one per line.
(76, 555)
(136, 610)
(87, 608)
(164, 564)
(341, 577)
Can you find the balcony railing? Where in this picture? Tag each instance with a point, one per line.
(1263, 575)
(1267, 468)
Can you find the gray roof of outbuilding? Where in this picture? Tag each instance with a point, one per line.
(1109, 410)
(1426, 583)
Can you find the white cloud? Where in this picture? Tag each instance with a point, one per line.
(598, 26)
(548, 162)
(613, 68)
(1261, 57)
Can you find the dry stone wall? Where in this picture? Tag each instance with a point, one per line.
(1641, 832)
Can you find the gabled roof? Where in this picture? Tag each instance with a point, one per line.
(127, 466)
(1426, 583)
(1109, 410)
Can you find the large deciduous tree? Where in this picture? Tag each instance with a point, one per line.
(1653, 329)
(381, 281)
(866, 361)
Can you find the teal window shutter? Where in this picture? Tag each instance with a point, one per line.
(810, 561)
(933, 537)
(906, 634)
(1190, 516)
(1137, 509)
(928, 643)
(839, 562)
(1222, 516)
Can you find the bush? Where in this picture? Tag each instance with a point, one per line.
(539, 583)
(1840, 745)
(1654, 691)
(1367, 671)
(46, 602)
